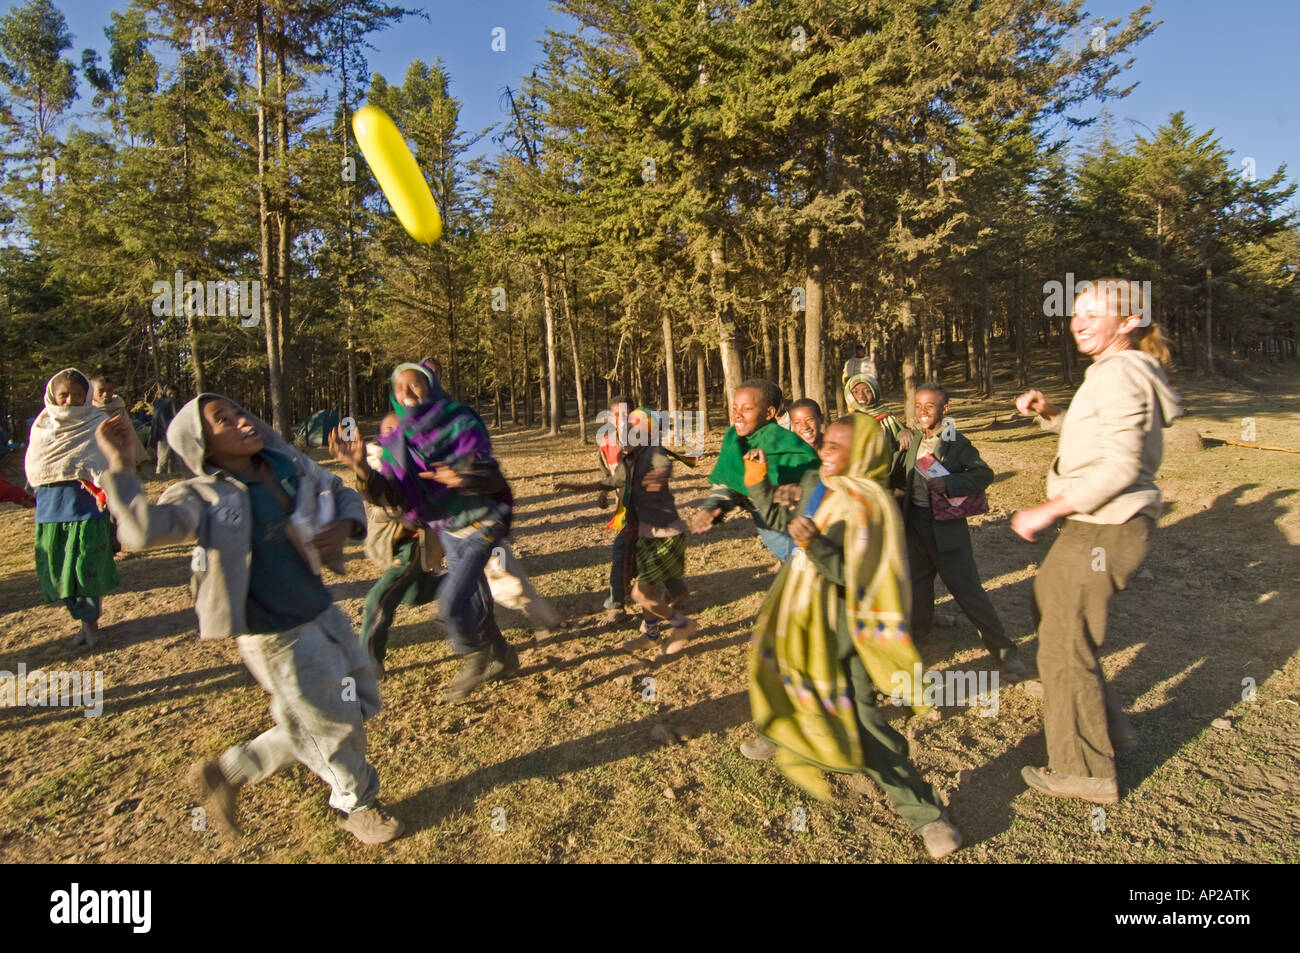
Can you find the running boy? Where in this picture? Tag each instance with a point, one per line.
(939, 545)
(439, 472)
(754, 409)
(256, 507)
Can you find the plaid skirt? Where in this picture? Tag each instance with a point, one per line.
(660, 558)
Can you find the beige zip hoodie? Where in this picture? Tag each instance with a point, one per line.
(1112, 439)
(212, 510)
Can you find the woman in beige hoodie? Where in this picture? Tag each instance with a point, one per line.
(1103, 482)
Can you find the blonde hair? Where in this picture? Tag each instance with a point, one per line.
(1133, 298)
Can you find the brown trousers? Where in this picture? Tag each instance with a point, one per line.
(1088, 563)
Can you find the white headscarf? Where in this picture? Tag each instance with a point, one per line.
(62, 442)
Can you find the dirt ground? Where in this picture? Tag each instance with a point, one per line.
(576, 759)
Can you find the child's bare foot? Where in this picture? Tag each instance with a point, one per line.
(640, 644)
(648, 639)
(678, 636)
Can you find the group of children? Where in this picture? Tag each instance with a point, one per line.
(266, 521)
(856, 513)
(848, 515)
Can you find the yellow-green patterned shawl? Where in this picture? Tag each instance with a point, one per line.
(798, 692)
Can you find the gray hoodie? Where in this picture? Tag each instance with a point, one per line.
(1112, 439)
(213, 510)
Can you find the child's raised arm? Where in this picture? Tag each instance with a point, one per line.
(173, 519)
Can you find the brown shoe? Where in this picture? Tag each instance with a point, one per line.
(941, 837)
(613, 616)
(372, 825)
(219, 795)
(472, 674)
(1096, 790)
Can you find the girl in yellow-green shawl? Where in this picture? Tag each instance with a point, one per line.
(834, 627)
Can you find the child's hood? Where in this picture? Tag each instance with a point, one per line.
(185, 434)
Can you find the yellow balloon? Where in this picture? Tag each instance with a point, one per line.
(398, 175)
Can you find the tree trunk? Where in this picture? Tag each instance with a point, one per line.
(552, 374)
(792, 342)
(573, 346)
(1209, 322)
(702, 385)
(528, 394)
(670, 364)
(724, 319)
(284, 223)
(986, 377)
(781, 381)
(275, 384)
(764, 330)
(911, 343)
(1022, 332)
(814, 359)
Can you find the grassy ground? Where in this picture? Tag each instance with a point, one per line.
(576, 760)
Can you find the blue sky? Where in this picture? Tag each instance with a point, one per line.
(1228, 66)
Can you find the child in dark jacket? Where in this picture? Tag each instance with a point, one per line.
(265, 518)
(943, 546)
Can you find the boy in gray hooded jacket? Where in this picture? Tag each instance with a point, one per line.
(265, 517)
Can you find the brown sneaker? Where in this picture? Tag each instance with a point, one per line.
(613, 616)
(219, 795)
(675, 638)
(758, 749)
(372, 825)
(941, 837)
(1096, 790)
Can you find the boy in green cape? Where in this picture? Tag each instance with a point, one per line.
(754, 409)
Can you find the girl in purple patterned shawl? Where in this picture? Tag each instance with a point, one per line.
(438, 470)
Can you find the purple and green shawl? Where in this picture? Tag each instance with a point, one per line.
(441, 430)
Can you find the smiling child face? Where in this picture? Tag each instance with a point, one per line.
(929, 407)
(837, 450)
(747, 412)
(806, 424)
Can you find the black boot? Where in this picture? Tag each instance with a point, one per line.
(472, 674)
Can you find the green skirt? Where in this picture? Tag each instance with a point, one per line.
(75, 559)
(660, 558)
